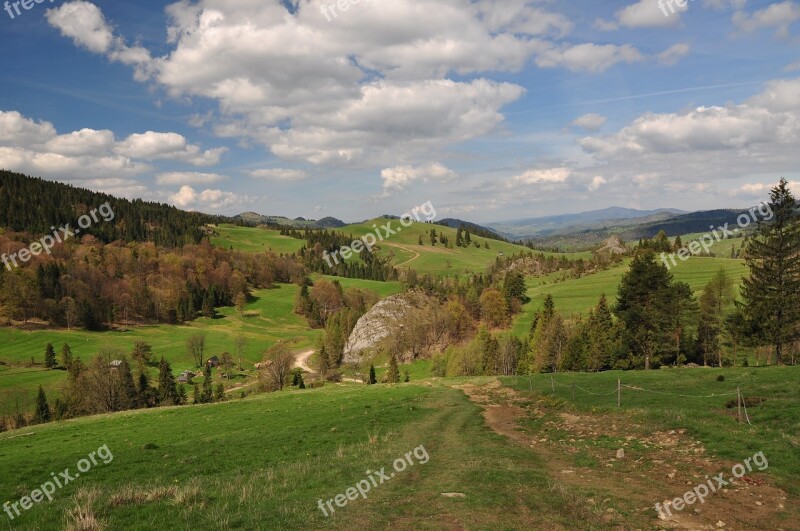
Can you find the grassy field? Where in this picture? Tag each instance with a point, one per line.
(672, 399)
(268, 318)
(402, 248)
(255, 240)
(265, 462)
(578, 296)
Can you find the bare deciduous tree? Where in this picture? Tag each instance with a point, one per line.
(196, 344)
(279, 360)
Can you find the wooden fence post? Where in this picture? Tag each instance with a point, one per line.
(739, 400)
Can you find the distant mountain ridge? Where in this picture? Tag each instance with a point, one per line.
(298, 223)
(536, 227)
(691, 223)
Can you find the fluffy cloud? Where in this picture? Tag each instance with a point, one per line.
(648, 14)
(671, 55)
(541, 176)
(178, 178)
(590, 122)
(36, 148)
(278, 174)
(16, 130)
(167, 146)
(190, 199)
(597, 182)
(84, 23)
(588, 57)
(401, 177)
(779, 16)
(760, 136)
(384, 67)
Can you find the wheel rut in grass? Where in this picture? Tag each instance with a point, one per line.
(581, 452)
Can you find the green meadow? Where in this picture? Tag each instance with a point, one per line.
(672, 399)
(575, 297)
(268, 318)
(254, 240)
(264, 462)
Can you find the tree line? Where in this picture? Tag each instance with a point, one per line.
(34, 205)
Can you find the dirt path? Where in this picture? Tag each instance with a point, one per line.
(403, 247)
(301, 361)
(582, 453)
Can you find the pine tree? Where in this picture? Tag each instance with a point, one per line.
(302, 384)
(393, 376)
(196, 394)
(66, 356)
(143, 390)
(167, 387)
(324, 363)
(772, 292)
(42, 413)
(678, 244)
(372, 378)
(207, 396)
(128, 387)
(709, 327)
(652, 308)
(219, 393)
(49, 356)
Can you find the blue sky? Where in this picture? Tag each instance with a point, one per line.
(492, 110)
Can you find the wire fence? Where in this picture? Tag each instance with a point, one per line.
(742, 416)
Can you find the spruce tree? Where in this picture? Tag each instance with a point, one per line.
(130, 396)
(219, 393)
(207, 395)
(143, 390)
(42, 413)
(167, 387)
(393, 376)
(372, 379)
(324, 363)
(66, 356)
(772, 292)
(49, 356)
(196, 394)
(652, 308)
(302, 384)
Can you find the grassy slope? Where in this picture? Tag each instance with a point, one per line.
(402, 247)
(776, 423)
(437, 260)
(269, 317)
(576, 297)
(264, 463)
(253, 240)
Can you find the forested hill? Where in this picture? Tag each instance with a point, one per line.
(33, 205)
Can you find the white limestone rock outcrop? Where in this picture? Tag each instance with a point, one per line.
(375, 326)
